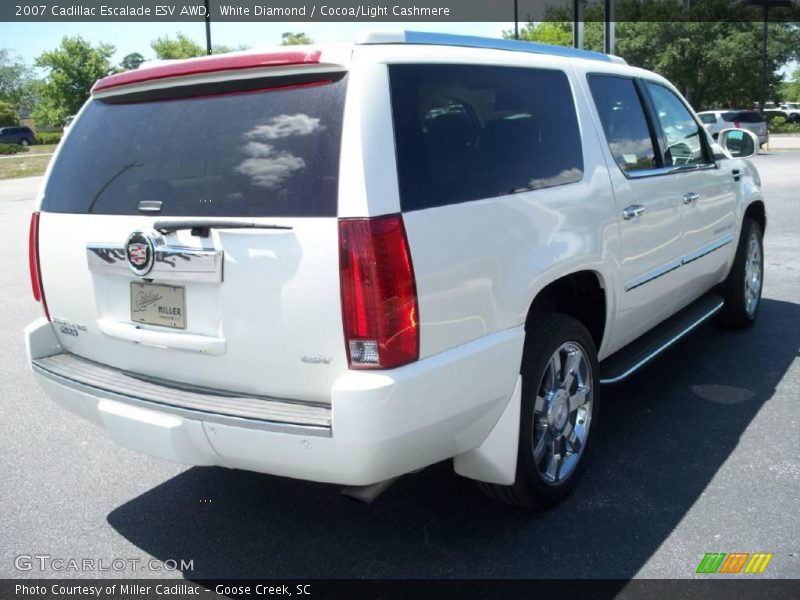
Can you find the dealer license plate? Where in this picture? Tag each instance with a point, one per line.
(163, 305)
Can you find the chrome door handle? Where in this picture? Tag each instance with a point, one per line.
(633, 211)
(691, 198)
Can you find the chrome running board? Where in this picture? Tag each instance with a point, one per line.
(628, 360)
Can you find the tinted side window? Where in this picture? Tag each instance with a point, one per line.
(271, 153)
(624, 122)
(744, 116)
(681, 131)
(710, 119)
(465, 132)
(751, 116)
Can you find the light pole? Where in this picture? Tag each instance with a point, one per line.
(609, 28)
(766, 5)
(208, 29)
(577, 24)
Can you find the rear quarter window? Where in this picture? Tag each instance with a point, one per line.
(751, 117)
(708, 119)
(743, 116)
(271, 153)
(466, 132)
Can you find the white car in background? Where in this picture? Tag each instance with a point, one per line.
(715, 121)
(788, 110)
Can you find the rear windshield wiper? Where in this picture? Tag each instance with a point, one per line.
(202, 227)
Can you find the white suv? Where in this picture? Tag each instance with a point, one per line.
(344, 264)
(715, 121)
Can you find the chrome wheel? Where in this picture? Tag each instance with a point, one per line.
(562, 413)
(752, 275)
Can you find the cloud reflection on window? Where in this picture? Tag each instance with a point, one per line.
(561, 178)
(269, 167)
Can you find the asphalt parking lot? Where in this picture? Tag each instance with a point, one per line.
(699, 452)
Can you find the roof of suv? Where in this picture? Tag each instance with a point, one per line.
(310, 56)
(727, 110)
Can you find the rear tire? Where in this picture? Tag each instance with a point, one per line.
(742, 289)
(24, 142)
(560, 394)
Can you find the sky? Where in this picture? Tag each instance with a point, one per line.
(28, 40)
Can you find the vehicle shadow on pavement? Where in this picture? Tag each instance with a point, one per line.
(664, 434)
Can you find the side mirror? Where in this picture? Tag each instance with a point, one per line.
(739, 143)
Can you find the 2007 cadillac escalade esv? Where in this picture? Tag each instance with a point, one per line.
(346, 263)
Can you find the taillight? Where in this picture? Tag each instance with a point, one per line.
(33, 263)
(379, 294)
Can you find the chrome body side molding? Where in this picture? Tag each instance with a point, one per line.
(675, 264)
(654, 274)
(708, 249)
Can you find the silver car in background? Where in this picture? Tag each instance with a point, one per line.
(715, 121)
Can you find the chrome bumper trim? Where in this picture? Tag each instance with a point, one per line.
(199, 404)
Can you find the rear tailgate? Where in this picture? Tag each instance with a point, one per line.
(250, 310)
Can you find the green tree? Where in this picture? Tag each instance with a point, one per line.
(223, 49)
(714, 64)
(131, 61)
(72, 70)
(790, 90)
(8, 116)
(714, 59)
(17, 83)
(14, 76)
(180, 47)
(295, 39)
(546, 32)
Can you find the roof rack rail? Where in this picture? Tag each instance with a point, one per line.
(471, 41)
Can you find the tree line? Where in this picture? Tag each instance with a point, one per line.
(716, 64)
(71, 69)
(711, 49)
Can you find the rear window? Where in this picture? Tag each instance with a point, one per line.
(708, 119)
(271, 153)
(744, 116)
(465, 132)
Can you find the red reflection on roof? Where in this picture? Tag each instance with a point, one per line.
(195, 66)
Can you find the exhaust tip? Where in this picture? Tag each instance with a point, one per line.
(366, 494)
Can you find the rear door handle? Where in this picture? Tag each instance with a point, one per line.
(691, 198)
(633, 211)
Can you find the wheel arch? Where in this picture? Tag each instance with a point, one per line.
(757, 211)
(583, 295)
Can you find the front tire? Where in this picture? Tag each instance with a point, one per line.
(742, 288)
(560, 394)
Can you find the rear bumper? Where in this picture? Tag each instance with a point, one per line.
(380, 424)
